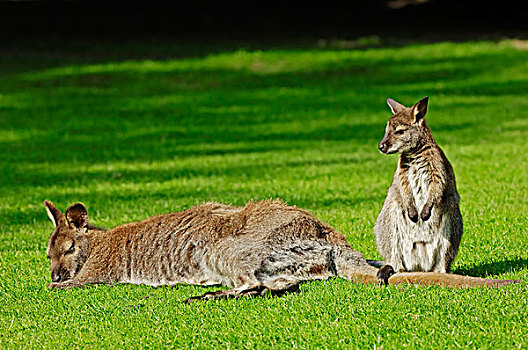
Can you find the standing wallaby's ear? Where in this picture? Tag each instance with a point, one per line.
(77, 216)
(420, 109)
(395, 107)
(54, 214)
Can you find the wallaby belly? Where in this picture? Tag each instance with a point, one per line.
(203, 278)
(421, 245)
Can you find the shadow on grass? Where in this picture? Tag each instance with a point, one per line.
(55, 51)
(177, 198)
(494, 268)
(255, 71)
(153, 115)
(166, 142)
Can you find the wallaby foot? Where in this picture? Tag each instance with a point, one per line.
(257, 291)
(383, 275)
(229, 294)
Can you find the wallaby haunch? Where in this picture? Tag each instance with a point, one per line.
(419, 227)
(262, 247)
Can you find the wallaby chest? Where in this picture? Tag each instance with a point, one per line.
(419, 181)
(419, 242)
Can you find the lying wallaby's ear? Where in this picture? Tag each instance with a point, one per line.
(77, 216)
(420, 109)
(395, 107)
(54, 214)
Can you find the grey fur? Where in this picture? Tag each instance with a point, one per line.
(420, 226)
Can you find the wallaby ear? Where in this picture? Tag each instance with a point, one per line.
(420, 109)
(77, 216)
(54, 214)
(395, 107)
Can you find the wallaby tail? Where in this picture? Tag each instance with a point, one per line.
(445, 280)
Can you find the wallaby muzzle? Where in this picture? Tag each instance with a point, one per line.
(59, 275)
(56, 276)
(384, 145)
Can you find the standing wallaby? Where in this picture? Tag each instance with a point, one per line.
(419, 227)
(262, 247)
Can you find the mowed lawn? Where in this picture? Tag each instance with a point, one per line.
(133, 137)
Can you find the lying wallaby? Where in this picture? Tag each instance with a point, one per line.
(420, 226)
(263, 247)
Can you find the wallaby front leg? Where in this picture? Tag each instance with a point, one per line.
(80, 280)
(412, 212)
(407, 198)
(433, 198)
(65, 285)
(426, 211)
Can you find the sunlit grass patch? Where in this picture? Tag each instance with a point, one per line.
(133, 138)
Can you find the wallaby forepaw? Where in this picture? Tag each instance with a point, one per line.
(426, 212)
(383, 275)
(413, 214)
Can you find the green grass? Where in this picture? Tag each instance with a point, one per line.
(132, 137)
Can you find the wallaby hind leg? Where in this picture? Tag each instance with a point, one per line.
(351, 265)
(284, 268)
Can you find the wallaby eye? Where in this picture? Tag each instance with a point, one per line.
(72, 248)
(400, 132)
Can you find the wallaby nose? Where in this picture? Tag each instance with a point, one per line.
(56, 277)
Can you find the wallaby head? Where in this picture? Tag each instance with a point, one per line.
(68, 246)
(406, 130)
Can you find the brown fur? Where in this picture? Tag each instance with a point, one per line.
(262, 247)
